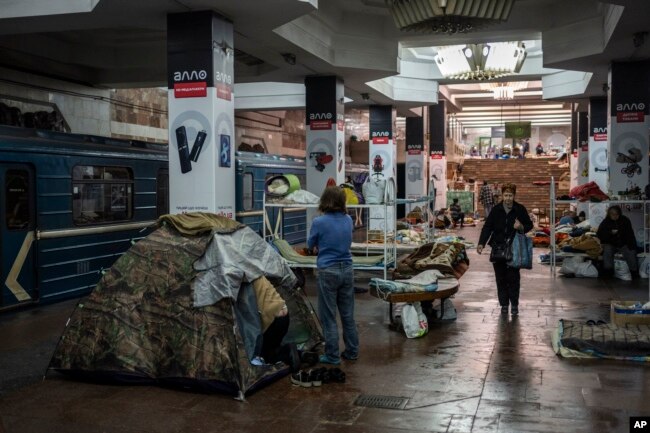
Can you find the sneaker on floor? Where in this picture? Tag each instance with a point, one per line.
(514, 311)
(324, 359)
(301, 378)
(316, 376)
(349, 357)
(504, 310)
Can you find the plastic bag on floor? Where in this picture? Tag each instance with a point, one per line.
(621, 270)
(570, 264)
(414, 321)
(644, 266)
(586, 270)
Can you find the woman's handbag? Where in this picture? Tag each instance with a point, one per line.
(521, 252)
(501, 252)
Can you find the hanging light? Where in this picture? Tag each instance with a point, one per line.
(504, 91)
(480, 61)
(447, 16)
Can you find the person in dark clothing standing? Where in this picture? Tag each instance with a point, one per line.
(501, 224)
(616, 235)
(486, 197)
(457, 214)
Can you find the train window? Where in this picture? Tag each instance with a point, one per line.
(101, 194)
(162, 192)
(17, 199)
(247, 191)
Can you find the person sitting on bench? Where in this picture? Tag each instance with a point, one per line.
(616, 235)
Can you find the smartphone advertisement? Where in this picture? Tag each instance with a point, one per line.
(201, 113)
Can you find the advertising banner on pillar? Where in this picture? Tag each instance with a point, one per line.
(583, 169)
(201, 111)
(573, 181)
(598, 165)
(437, 130)
(382, 154)
(438, 172)
(628, 130)
(416, 158)
(325, 133)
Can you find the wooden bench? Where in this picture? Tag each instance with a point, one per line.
(445, 290)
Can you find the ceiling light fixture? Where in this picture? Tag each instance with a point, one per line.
(447, 16)
(504, 91)
(480, 61)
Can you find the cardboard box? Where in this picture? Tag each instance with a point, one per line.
(620, 315)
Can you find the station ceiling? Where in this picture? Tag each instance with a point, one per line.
(122, 43)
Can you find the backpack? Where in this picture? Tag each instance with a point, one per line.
(359, 180)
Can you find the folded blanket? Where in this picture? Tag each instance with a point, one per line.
(400, 287)
(292, 256)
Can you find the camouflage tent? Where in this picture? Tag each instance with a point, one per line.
(141, 324)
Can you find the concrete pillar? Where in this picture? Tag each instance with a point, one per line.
(325, 132)
(627, 142)
(382, 154)
(438, 159)
(415, 185)
(200, 59)
(598, 165)
(582, 156)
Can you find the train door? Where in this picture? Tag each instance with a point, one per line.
(17, 218)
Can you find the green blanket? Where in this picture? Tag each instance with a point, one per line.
(292, 256)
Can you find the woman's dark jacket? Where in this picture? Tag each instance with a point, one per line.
(500, 226)
(625, 235)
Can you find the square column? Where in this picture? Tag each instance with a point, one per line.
(200, 59)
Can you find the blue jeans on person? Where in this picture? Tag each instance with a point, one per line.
(336, 290)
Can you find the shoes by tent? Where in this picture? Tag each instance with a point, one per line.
(317, 377)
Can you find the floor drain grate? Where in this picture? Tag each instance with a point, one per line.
(381, 401)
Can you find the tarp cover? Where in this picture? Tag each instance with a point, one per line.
(140, 323)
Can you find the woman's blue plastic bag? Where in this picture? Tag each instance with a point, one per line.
(522, 252)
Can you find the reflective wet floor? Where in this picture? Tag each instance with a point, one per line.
(480, 373)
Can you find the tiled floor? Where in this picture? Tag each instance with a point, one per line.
(480, 373)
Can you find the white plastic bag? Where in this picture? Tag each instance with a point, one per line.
(414, 321)
(621, 270)
(586, 270)
(570, 264)
(644, 266)
(373, 191)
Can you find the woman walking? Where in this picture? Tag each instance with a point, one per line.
(500, 226)
(331, 235)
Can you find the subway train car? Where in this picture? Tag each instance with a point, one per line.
(71, 205)
(253, 170)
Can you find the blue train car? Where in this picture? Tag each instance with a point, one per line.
(253, 170)
(71, 205)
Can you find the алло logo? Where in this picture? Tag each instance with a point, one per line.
(190, 84)
(180, 76)
(634, 106)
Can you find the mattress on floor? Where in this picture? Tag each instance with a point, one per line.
(573, 339)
